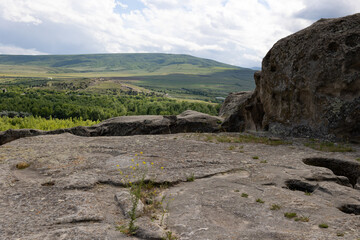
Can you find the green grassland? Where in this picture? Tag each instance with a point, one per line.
(180, 76)
(49, 92)
(141, 62)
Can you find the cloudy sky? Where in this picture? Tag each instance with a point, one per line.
(238, 32)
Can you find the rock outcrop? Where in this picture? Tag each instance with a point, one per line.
(188, 121)
(309, 84)
(232, 102)
(73, 188)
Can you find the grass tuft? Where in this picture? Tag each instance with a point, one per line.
(275, 207)
(302, 219)
(244, 138)
(323, 225)
(244, 195)
(290, 215)
(328, 146)
(169, 236)
(190, 178)
(22, 165)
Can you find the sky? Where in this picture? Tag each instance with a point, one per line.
(238, 32)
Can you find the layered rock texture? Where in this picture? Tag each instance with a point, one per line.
(218, 187)
(309, 84)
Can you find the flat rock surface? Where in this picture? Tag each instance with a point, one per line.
(68, 191)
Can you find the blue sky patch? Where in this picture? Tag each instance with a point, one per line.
(126, 6)
(265, 3)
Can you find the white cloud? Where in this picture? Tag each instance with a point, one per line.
(122, 5)
(232, 31)
(328, 8)
(13, 50)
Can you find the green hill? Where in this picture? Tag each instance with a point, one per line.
(111, 62)
(179, 75)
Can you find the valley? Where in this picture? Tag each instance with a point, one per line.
(179, 76)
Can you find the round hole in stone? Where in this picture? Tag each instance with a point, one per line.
(297, 185)
(350, 209)
(345, 168)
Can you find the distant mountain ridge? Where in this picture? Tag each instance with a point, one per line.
(182, 76)
(112, 62)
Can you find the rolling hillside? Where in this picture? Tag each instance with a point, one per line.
(179, 75)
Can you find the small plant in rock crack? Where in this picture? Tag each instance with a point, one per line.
(323, 225)
(244, 195)
(275, 207)
(255, 157)
(259, 200)
(169, 236)
(308, 193)
(135, 181)
(165, 204)
(190, 178)
(135, 192)
(290, 215)
(302, 219)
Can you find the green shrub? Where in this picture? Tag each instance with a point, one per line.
(42, 123)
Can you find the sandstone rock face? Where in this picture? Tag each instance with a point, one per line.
(310, 83)
(235, 113)
(188, 121)
(232, 102)
(72, 188)
(242, 111)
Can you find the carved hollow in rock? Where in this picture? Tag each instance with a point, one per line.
(350, 209)
(297, 185)
(345, 168)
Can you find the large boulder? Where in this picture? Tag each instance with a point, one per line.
(237, 113)
(232, 103)
(188, 121)
(310, 83)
